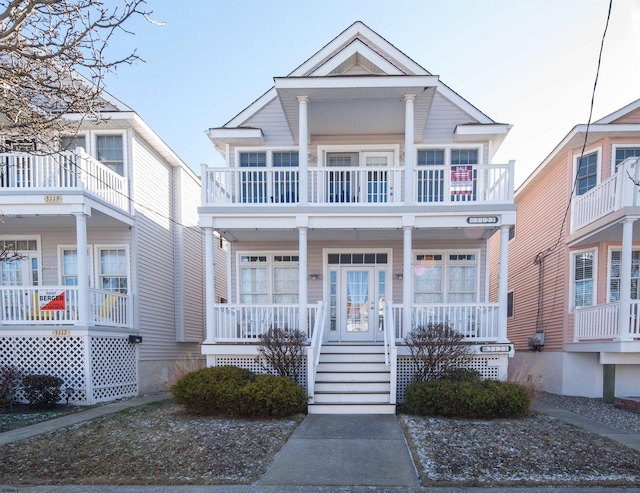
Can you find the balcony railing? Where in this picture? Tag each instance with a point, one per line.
(600, 322)
(62, 171)
(608, 196)
(246, 323)
(58, 305)
(477, 322)
(352, 185)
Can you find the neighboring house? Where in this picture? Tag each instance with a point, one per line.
(358, 198)
(123, 197)
(574, 266)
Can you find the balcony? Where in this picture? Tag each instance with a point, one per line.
(64, 171)
(611, 195)
(58, 305)
(373, 185)
(600, 323)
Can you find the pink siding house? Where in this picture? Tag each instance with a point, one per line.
(574, 263)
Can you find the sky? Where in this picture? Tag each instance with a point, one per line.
(529, 63)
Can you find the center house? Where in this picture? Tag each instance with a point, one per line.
(358, 199)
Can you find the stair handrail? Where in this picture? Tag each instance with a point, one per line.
(387, 325)
(313, 356)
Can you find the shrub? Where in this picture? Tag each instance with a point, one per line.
(270, 396)
(42, 391)
(462, 375)
(212, 391)
(282, 351)
(436, 349)
(484, 399)
(10, 378)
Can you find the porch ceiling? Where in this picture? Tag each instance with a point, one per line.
(345, 235)
(27, 223)
(349, 110)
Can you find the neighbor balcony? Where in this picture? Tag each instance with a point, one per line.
(371, 185)
(602, 323)
(59, 305)
(611, 195)
(69, 171)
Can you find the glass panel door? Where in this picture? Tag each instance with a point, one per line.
(359, 308)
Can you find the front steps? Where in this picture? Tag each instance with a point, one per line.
(352, 379)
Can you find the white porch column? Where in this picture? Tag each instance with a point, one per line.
(503, 284)
(409, 161)
(303, 150)
(302, 278)
(625, 280)
(407, 281)
(84, 303)
(209, 285)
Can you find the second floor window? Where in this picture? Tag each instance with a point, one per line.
(110, 152)
(587, 173)
(623, 153)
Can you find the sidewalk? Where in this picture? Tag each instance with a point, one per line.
(347, 452)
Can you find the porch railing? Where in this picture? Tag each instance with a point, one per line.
(477, 321)
(610, 195)
(35, 305)
(358, 185)
(315, 347)
(62, 171)
(600, 322)
(246, 323)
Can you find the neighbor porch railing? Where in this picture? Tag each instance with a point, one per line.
(28, 306)
(358, 185)
(246, 323)
(49, 173)
(476, 322)
(610, 195)
(600, 322)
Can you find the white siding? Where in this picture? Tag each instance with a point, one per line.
(443, 118)
(272, 121)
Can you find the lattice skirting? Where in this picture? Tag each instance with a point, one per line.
(251, 364)
(112, 363)
(493, 367)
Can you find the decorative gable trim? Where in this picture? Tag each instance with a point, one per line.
(357, 47)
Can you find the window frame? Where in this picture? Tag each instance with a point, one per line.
(446, 263)
(610, 251)
(125, 152)
(576, 158)
(98, 264)
(270, 264)
(447, 153)
(614, 150)
(31, 254)
(594, 278)
(268, 151)
(61, 276)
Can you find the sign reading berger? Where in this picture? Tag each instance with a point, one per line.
(51, 300)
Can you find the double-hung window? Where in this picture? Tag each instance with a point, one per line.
(285, 181)
(431, 180)
(112, 269)
(587, 173)
(460, 176)
(110, 152)
(583, 278)
(260, 184)
(615, 275)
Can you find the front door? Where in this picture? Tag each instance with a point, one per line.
(358, 317)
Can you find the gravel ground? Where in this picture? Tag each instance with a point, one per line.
(159, 444)
(534, 451)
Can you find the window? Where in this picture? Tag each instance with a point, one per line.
(268, 279)
(112, 271)
(23, 270)
(431, 157)
(464, 156)
(460, 178)
(614, 275)
(282, 159)
(587, 173)
(254, 183)
(69, 266)
(253, 159)
(583, 278)
(109, 151)
(512, 232)
(510, 304)
(285, 183)
(446, 278)
(623, 153)
(70, 142)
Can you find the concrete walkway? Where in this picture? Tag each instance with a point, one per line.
(347, 452)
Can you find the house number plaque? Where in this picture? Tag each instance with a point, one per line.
(52, 199)
(61, 332)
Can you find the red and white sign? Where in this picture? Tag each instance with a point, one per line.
(51, 300)
(461, 180)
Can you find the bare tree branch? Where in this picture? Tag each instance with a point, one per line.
(53, 62)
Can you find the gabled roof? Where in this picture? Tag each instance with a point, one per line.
(609, 126)
(341, 79)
